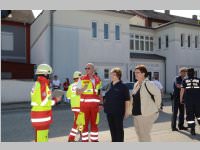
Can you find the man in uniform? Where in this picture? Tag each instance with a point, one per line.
(176, 105)
(75, 104)
(88, 88)
(190, 88)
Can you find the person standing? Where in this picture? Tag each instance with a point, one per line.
(116, 105)
(41, 103)
(176, 105)
(159, 85)
(66, 84)
(146, 104)
(65, 88)
(190, 88)
(56, 83)
(88, 87)
(75, 104)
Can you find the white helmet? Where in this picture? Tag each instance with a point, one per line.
(44, 69)
(77, 74)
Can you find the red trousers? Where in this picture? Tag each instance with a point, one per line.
(74, 129)
(90, 110)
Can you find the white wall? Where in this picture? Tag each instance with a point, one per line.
(39, 24)
(66, 52)
(74, 45)
(40, 52)
(40, 39)
(137, 20)
(177, 56)
(10, 91)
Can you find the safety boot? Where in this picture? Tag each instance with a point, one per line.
(192, 131)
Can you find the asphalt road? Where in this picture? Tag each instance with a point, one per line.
(16, 126)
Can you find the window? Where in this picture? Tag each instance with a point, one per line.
(156, 74)
(167, 41)
(94, 29)
(132, 44)
(106, 31)
(159, 43)
(146, 43)
(196, 41)
(7, 41)
(188, 40)
(131, 76)
(131, 41)
(182, 40)
(136, 42)
(142, 43)
(195, 73)
(117, 32)
(151, 43)
(106, 73)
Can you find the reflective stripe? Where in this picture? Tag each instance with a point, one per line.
(85, 138)
(196, 87)
(72, 134)
(90, 90)
(41, 119)
(188, 87)
(198, 118)
(89, 100)
(77, 110)
(190, 122)
(85, 133)
(94, 138)
(53, 103)
(44, 102)
(34, 104)
(94, 133)
(74, 130)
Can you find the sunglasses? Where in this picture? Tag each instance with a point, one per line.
(87, 68)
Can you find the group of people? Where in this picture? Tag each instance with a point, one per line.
(186, 96)
(143, 103)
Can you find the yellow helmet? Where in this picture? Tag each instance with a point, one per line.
(77, 74)
(44, 69)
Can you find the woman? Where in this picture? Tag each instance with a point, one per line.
(146, 104)
(116, 105)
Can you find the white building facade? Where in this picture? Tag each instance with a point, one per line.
(68, 40)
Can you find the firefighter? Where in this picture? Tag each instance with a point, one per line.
(75, 105)
(88, 88)
(41, 102)
(190, 88)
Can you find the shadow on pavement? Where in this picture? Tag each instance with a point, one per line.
(187, 133)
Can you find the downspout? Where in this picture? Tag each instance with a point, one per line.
(51, 38)
(165, 76)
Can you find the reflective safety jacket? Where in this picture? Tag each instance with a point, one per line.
(41, 102)
(74, 98)
(91, 94)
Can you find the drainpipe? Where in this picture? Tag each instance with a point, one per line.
(51, 38)
(165, 76)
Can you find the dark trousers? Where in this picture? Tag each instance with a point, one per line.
(192, 111)
(177, 106)
(115, 123)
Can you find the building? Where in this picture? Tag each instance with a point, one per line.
(15, 44)
(69, 39)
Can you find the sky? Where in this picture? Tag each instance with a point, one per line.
(183, 13)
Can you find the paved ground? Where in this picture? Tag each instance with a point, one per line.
(16, 127)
